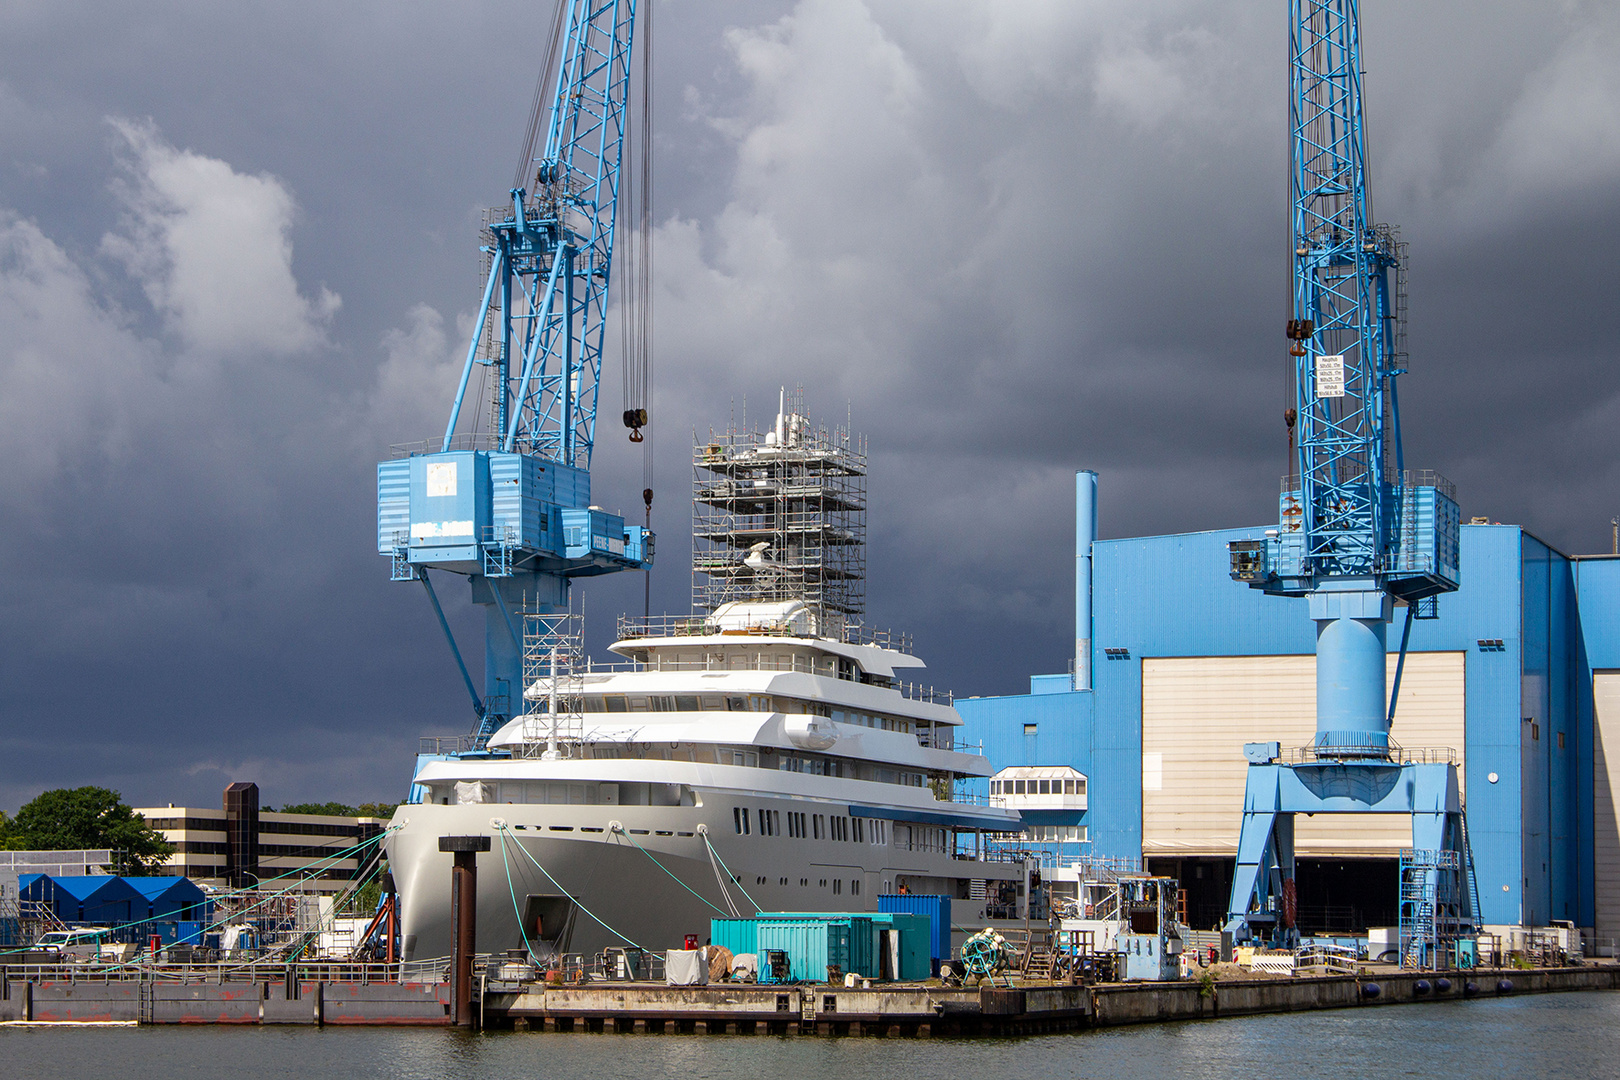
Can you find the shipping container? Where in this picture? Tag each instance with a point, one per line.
(938, 910)
(738, 935)
(811, 945)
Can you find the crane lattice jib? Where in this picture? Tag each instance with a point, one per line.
(542, 324)
(1342, 266)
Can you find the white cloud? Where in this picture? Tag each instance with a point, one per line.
(70, 370)
(416, 378)
(212, 248)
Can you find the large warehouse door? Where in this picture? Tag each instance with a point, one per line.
(1198, 711)
(1606, 776)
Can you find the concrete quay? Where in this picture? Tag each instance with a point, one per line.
(914, 1010)
(930, 1010)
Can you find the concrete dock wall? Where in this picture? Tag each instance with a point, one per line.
(747, 1009)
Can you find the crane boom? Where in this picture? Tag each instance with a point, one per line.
(504, 497)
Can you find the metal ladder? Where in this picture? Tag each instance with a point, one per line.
(1468, 867)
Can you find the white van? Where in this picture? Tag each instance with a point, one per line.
(71, 944)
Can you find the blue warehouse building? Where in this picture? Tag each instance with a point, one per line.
(1177, 667)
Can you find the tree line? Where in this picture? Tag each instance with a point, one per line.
(71, 819)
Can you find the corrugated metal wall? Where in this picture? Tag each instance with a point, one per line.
(1197, 712)
(1606, 831)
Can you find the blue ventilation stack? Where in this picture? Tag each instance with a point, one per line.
(506, 501)
(1357, 533)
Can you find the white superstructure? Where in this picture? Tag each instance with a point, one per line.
(810, 770)
(765, 754)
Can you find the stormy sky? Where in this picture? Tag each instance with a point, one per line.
(237, 260)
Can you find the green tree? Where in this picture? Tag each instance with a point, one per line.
(334, 809)
(377, 809)
(64, 819)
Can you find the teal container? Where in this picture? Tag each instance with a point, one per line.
(811, 944)
(916, 963)
(863, 947)
(738, 935)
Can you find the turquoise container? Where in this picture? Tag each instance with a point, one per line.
(738, 935)
(811, 945)
(916, 963)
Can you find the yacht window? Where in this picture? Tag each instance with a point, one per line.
(737, 704)
(714, 703)
(859, 838)
(838, 886)
(686, 702)
(638, 704)
(815, 822)
(759, 702)
(594, 704)
(616, 703)
(661, 703)
(854, 886)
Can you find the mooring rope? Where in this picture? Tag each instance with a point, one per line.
(734, 878)
(504, 827)
(512, 891)
(622, 831)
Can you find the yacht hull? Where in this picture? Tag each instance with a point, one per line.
(643, 875)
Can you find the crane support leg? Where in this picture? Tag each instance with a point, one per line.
(1427, 793)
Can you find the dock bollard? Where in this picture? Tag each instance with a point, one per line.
(463, 921)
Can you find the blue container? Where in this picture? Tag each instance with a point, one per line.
(938, 910)
(738, 935)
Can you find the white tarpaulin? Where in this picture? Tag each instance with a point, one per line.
(685, 967)
(472, 792)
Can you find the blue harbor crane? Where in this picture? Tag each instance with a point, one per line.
(504, 498)
(1357, 533)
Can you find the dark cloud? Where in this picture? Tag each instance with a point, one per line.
(1010, 240)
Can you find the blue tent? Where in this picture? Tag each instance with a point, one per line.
(105, 901)
(172, 898)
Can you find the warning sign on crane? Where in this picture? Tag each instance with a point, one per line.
(1330, 376)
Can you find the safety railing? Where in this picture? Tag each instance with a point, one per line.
(448, 745)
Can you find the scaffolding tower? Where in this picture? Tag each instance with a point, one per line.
(1431, 913)
(553, 684)
(780, 515)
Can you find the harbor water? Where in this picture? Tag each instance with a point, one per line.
(1568, 1036)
